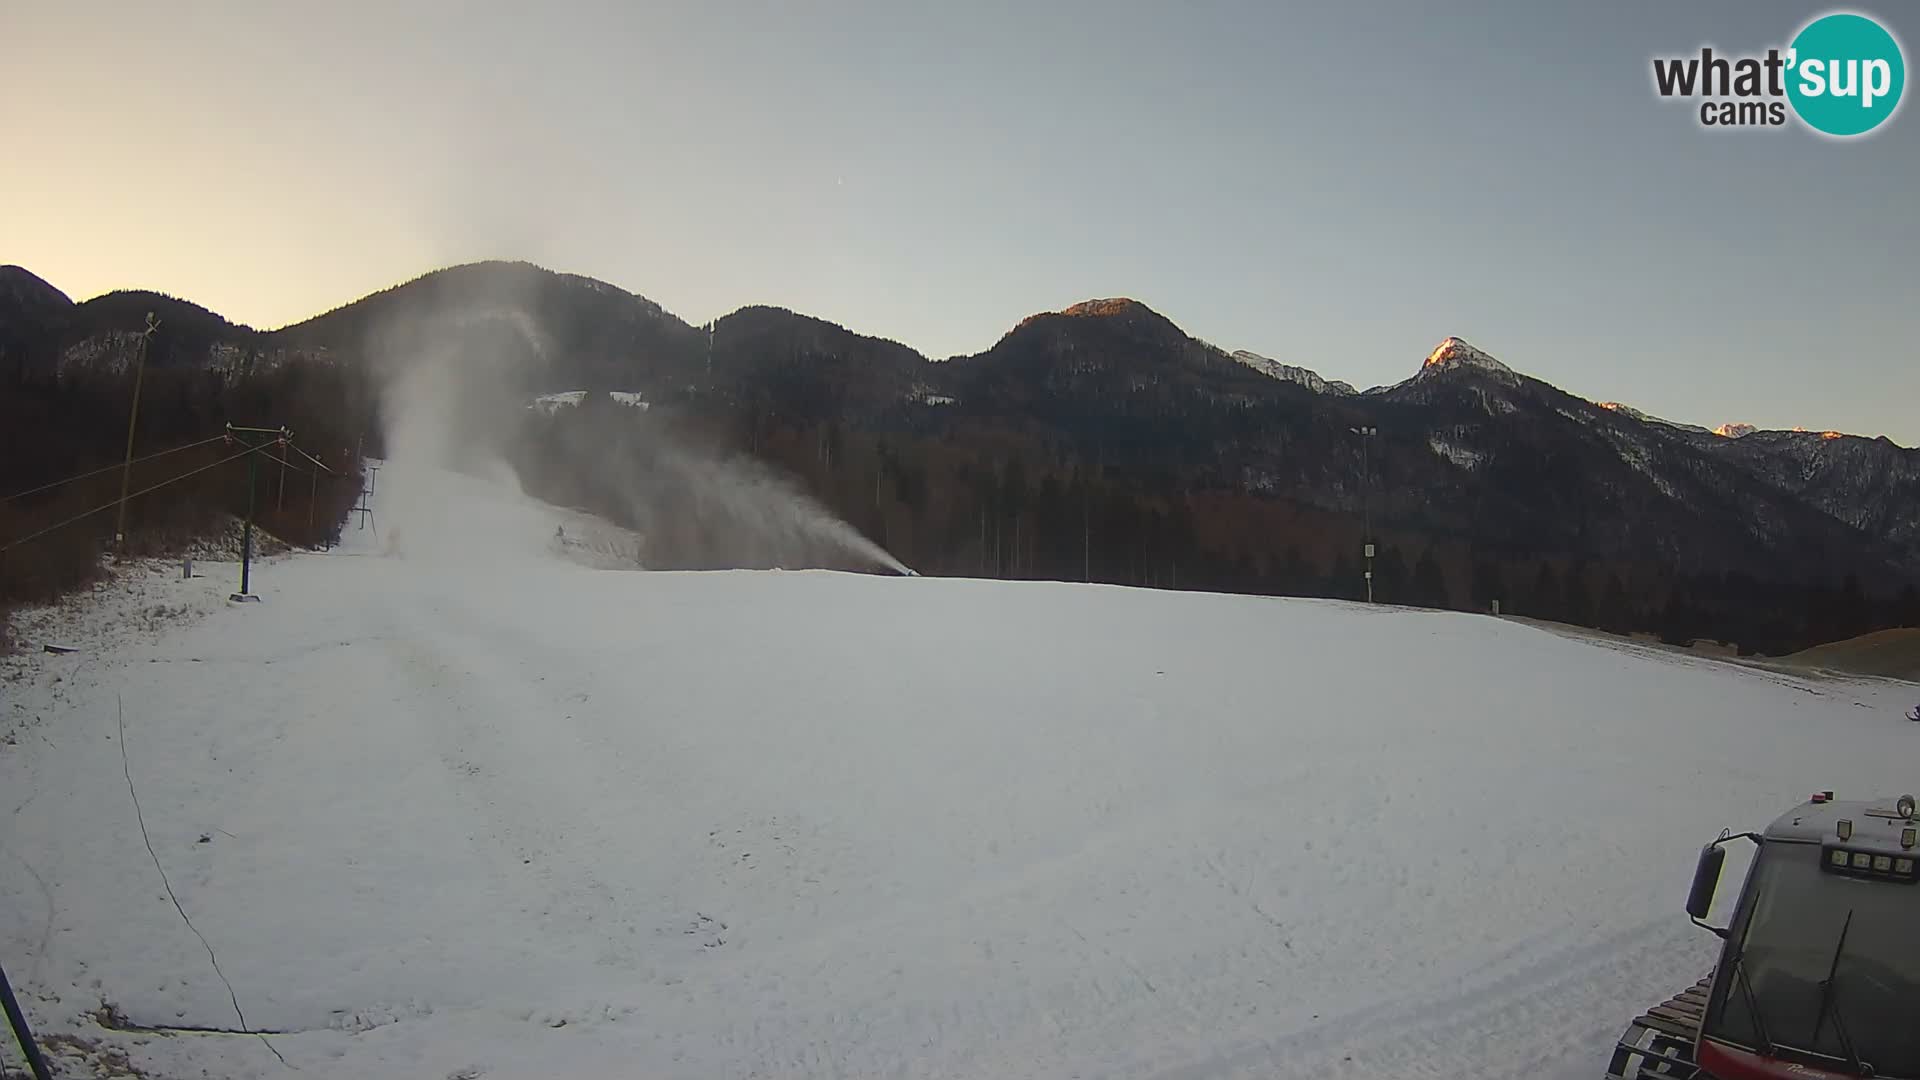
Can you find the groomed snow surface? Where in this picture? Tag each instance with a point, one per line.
(457, 806)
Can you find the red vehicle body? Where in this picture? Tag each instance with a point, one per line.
(1819, 975)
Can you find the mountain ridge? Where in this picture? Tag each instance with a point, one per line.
(1473, 460)
(1451, 351)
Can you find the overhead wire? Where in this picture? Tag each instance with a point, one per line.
(316, 461)
(265, 453)
(110, 468)
(108, 506)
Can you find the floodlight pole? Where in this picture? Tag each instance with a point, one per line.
(1366, 502)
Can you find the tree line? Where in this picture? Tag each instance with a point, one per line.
(984, 497)
(1005, 503)
(53, 428)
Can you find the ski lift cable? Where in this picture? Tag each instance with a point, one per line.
(110, 468)
(316, 461)
(108, 506)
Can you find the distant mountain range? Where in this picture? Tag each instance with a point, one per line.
(1469, 452)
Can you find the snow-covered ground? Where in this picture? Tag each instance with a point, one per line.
(447, 804)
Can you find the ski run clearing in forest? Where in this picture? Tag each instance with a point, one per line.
(448, 803)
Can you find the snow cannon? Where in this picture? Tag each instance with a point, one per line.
(1819, 963)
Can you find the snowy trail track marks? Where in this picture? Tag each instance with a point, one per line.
(448, 816)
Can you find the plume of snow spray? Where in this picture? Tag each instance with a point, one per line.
(444, 383)
(457, 380)
(782, 523)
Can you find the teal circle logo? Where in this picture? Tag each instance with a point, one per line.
(1845, 74)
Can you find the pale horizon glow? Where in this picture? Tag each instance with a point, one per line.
(1338, 189)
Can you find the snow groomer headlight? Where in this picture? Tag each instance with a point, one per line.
(1870, 864)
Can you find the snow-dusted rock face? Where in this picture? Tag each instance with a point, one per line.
(1791, 496)
(115, 352)
(1454, 369)
(923, 394)
(1293, 374)
(1454, 352)
(112, 352)
(1872, 484)
(1645, 417)
(571, 399)
(1457, 370)
(1116, 305)
(1460, 455)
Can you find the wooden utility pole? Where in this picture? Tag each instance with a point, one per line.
(133, 418)
(313, 486)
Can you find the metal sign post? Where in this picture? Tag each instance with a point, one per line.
(1366, 500)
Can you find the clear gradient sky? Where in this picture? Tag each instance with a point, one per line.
(1336, 186)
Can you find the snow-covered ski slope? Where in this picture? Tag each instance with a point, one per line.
(448, 809)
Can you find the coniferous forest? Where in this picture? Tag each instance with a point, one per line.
(1098, 444)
